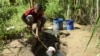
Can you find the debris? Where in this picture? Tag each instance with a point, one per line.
(50, 51)
(11, 27)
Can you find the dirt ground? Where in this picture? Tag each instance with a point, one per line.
(76, 41)
(72, 44)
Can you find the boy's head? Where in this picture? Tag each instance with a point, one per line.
(37, 7)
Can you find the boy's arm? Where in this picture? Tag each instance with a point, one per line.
(37, 28)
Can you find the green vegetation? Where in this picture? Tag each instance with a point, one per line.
(53, 8)
(11, 24)
(96, 25)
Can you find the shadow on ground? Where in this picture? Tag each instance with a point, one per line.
(75, 28)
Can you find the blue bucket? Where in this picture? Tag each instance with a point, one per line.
(58, 24)
(69, 24)
(60, 21)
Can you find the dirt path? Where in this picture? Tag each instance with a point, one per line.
(77, 41)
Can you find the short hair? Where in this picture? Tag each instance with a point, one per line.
(37, 5)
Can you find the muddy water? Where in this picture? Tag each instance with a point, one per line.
(60, 53)
(49, 39)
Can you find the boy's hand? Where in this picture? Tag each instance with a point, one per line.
(36, 36)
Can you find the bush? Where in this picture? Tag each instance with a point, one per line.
(53, 8)
(25, 2)
(6, 13)
(4, 3)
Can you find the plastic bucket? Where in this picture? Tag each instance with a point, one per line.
(55, 24)
(60, 21)
(69, 24)
(58, 24)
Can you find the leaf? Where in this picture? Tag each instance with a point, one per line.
(93, 31)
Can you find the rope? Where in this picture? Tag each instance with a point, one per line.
(43, 43)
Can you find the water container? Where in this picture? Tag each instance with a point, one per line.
(58, 24)
(60, 21)
(69, 24)
(55, 24)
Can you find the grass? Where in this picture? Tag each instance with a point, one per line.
(14, 21)
(95, 29)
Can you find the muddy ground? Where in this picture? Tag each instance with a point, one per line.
(72, 43)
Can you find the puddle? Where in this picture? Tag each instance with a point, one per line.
(60, 53)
